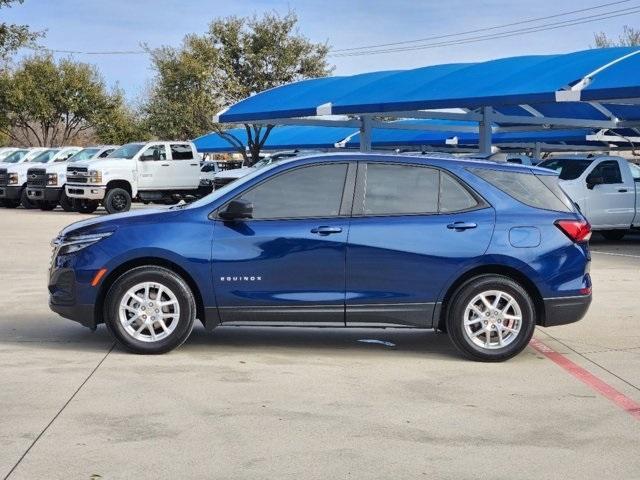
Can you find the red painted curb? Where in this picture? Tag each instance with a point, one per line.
(621, 400)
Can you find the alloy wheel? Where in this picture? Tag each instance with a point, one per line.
(492, 319)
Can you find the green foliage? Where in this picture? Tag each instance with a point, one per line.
(235, 58)
(45, 102)
(630, 37)
(12, 37)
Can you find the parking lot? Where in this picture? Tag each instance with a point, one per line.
(312, 403)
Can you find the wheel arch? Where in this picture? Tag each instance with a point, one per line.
(124, 184)
(114, 274)
(503, 270)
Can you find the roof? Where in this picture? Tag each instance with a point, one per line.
(551, 85)
(280, 138)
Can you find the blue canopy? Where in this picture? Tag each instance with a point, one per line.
(552, 85)
(280, 138)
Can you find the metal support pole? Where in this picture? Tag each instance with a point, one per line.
(365, 133)
(537, 151)
(485, 131)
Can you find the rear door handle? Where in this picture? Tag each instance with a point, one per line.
(324, 230)
(460, 226)
(623, 190)
(193, 164)
(164, 164)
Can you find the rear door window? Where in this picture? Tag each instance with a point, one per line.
(181, 151)
(524, 187)
(454, 197)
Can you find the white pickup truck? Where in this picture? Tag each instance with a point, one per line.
(159, 172)
(45, 184)
(606, 188)
(13, 177)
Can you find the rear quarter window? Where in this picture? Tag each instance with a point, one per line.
(527, 188)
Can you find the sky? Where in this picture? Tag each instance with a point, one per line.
(107, 25)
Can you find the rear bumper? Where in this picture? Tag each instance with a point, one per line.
(63, 299)
(88, 192)
(563, 310)
(47, 194)
(10, 193)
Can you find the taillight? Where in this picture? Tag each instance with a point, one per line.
(576, 230)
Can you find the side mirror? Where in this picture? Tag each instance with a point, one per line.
(145, 158)
(236, 210)
(593, 181)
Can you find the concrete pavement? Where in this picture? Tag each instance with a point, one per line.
(307, 403)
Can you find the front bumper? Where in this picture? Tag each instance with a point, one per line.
(47, 194)
(563, 310)
(10, 193)
(63, 298)
(88, 192)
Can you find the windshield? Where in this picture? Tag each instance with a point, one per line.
(567, 168)
(46, 156)
(127, 151)
(16, 156)
(84, 154)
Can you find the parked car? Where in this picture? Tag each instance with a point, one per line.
(45, 185)
(484, 251)
(21, 155)
(13, 178)
(606, 189)
(227, 176)
(161, 172)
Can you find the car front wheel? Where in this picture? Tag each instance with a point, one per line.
(117, 200)
(491, 318)
(150, 310)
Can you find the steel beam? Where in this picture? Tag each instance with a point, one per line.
(485, 130)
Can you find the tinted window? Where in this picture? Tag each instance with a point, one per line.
(609, 171)
(524, 187)
(567, 168)
(515, 160)
(301, 193)
(181, 151)
(453, 196)
(155, 152)
(400, 189)
(106, 153)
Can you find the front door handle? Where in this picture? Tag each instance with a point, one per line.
(164, 164)
(324, 230)
(623, 190)
(460, 226)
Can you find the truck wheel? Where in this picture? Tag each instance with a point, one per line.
(66, 203)
(117, 200)
(47, 206)
(613, 235)
(150, 310)
(490, 318)
(25, 201)
(85, 206)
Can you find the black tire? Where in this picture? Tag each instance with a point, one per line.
(613, 235)
(47, 206)
(160, 276)
(66, 203)
(11, 203)
(117, 200)
(25, 201)
(85, 206)
(463, 297)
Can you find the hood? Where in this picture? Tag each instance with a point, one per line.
(23, 167)
(112, 222)
(95, 163)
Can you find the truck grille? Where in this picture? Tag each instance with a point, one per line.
(4, 178)
(77, 174)
(36, 177)
(222, 181)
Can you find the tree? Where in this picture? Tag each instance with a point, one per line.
(48, 103)
(12, 37)
(120, 125)
(236, 58)
(630, 37)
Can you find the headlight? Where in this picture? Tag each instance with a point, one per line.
(74, 243)
(52, 178)
(95, 176)
(13, 179)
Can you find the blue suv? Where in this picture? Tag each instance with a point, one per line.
(484, 251)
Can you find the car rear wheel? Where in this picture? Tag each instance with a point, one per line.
(490, 318)
(117, 200)
(150, 310)
(25, 201)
